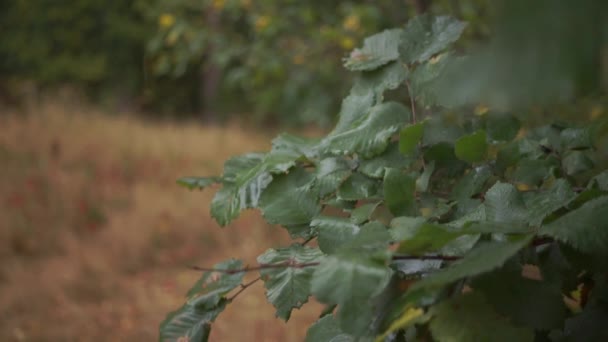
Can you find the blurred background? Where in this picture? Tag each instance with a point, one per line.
(105, 103)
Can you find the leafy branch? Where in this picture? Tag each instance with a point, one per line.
(487, 191)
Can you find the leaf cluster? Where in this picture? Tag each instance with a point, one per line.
(438, 228)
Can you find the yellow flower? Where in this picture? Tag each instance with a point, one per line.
(523, 187)
(218, 4)
(596, 112)
(347, 43)
(166, 20)
(262, 22)
(481, 110)
(351, 23)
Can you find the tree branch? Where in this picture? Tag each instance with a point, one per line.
(286, 264)
(294, 264)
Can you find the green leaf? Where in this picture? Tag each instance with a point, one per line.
(505, 204)
(442, 154)
(372, 239)
(425, 238)
(300, 231)
(352, 279)
(409, 317)
(534, 171)
(327, 329)
(391, 158)
(289, 201)
(410, 136)
(420, 238)
(477, 214)
(240, 164)
(399, 192)
(405, 227)
(363, 213)
(585, 228)
(426, 78)
(438, 131)
(471, 184)
(244, 179)
(576, 162)
(330, 174)
(207, 292)
(472, 148)
(601, 181)
(422, 183)
(288, 288)
(205, 302)
(481, 259)
(294, 145)
(189, 324)
(370, 134)
(576, 138)
(354, 108)
(502, 127)
(470, 318)
(541, 204)
(425, 36)
(377, 50)
(198, 182)
(346, 277)
(334, 232)
(377, 81)
(531, 303)
(357, 187)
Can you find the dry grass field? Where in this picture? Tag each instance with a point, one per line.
(96, 237)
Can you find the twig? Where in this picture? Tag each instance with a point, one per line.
(286, 264)
(305, 242)
(426, 257)
(243, 288)
(412, 103)
(293, 264)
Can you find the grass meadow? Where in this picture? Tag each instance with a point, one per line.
(96, 237)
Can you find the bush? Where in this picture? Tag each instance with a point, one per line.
(411, 226)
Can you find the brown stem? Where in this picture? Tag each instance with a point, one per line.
(286, 264)
(243, 288)
(412, 103)
(426, 257)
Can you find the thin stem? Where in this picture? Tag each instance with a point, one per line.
(286, 264)
(426, 257)
(305, 242)
(243, 288)
(293, 264)
(412, 103)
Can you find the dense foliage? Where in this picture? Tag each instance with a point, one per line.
(88, 42)
(412, 226)
(281, 59)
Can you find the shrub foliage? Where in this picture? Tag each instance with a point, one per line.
(412, 226)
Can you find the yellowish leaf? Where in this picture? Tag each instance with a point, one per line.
(481, 110)
(409, 317)
(166, 20)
